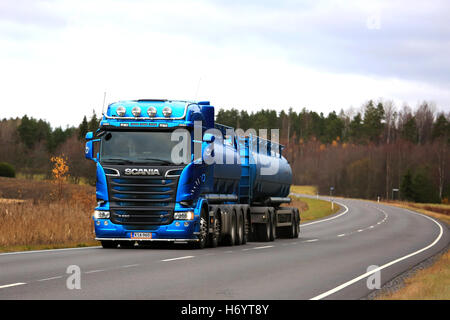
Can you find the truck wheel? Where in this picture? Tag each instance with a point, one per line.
(239, 228)
(293, 227)
(272, 226)
(263, 229)
(263, 232)
(215, 235)
(230, 238)
(297, 223)
(244, 229)
(108, 244)
(203, 232)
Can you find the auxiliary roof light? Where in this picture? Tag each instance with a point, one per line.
(136, 111)
(151, 111)
(120, 111)
(167, 112)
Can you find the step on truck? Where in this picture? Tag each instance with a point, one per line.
(166, 172)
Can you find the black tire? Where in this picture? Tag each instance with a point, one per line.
(263, 229)
(273, 231)
(239, 228)
(297, 223)
(293, 227)
(245, 229)
(108, 244)
(215, 235)
(230, 239)
(203, 231)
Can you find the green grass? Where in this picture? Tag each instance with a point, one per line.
(309, 190)
(313, 209)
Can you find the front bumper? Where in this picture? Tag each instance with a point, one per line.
(178, 231)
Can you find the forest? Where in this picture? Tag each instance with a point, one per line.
(378, 150)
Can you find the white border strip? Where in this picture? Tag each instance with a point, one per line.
(47, 250)
(346, 284)
(332, 218)
(12, 285)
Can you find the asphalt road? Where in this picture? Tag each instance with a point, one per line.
(330, 260)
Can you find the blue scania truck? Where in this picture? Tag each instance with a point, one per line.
(167, 172)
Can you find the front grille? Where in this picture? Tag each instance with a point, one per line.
(142, 200)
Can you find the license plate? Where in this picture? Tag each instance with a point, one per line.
(141, 235)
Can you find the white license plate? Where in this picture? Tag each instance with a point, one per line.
(141, 235)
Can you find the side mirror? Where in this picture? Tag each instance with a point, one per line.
(89, 151)
(89, 136)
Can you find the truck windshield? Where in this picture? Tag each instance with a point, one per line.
(139, 147)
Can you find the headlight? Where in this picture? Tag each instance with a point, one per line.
(184, 215)
(120, 111)
(151, 111)
(167, 112)
(136, 111)
(101, 214)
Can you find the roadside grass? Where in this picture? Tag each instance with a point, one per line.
(432, 283)
(313, 209)
(32, 217)
(438, 211)
(309, 190)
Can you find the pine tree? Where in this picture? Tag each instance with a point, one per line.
(83, 129)
(406, 187)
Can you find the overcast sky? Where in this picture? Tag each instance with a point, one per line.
(57, 58)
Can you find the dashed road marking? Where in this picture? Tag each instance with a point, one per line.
(179, 258)
(52, 278)
(263, 247)
(94, 271)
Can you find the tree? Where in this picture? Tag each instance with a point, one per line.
(409, 131)
(356, 129)
(83, 128)
(424, 190)
(373, 125)
(93, 123)
(406, 187)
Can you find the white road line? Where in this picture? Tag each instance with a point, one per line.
(12, 285)
(341, 235)
(264, 247)
(332, 218)
(360, 230)
(312, 240)
(94, 271)
(129, 266)
(47, 250)
(52, 278)
(179, 258)
(348, 283)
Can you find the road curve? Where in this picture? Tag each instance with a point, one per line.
(331, 259)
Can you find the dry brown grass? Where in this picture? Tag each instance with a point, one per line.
(40, 219)
(432, 283)
(419, 207)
